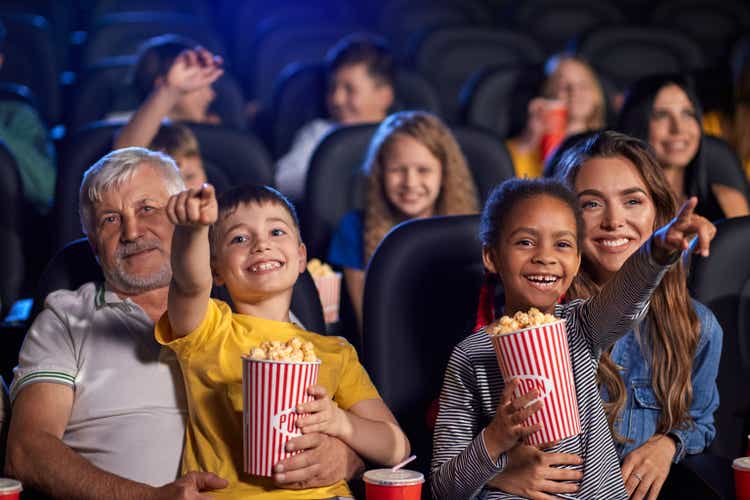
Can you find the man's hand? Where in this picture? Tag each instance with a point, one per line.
(323, 461)
(645, 469)
(189, 486)
(676, 236)
(194, 69)
(193, 208)
(531, 473)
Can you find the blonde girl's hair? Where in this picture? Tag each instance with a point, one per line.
(458, 194)
(673, 325)
(598, 117)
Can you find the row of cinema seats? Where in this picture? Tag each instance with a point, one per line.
(232, 157)
(420, 299)
(334, 184)
(444, 42)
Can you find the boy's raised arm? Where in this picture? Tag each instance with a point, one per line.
(192, 212)
(192, 70)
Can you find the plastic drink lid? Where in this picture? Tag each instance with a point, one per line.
(10, 485)
(742, 463)
(388, 477)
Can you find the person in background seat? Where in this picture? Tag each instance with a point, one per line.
(360, 90)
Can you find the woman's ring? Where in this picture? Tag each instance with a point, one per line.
(638, 476)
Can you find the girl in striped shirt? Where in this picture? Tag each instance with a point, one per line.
(531, 233)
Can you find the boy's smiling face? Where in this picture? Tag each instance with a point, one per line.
(537, 256)
(257, 252)
(354, 96)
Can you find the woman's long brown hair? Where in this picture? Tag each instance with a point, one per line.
(673, 326)
(457, 193)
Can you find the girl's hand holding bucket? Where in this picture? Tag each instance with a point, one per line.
(507, 428)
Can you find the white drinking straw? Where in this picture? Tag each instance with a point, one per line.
(398, 466)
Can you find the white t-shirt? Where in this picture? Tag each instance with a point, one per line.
(291, 169)
(129, 409)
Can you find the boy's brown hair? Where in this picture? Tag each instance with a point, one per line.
(175, 139)
(250, 193)
(363, 48)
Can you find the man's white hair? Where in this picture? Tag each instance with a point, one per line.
(116, 168)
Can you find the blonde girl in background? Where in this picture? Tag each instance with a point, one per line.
(414, 169)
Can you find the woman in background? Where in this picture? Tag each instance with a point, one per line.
(664, 111)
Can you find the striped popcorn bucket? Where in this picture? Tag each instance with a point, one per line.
(329, 290)
(539, 358)
(272, 390)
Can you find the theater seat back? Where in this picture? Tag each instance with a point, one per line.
(420, 300)
(722, 282)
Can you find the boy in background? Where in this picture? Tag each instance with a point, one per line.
(179, 142)
(174, 79)
(360, 73)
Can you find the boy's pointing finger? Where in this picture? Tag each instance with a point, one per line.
(206, 192)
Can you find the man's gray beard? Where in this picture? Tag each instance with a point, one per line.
(132, 284)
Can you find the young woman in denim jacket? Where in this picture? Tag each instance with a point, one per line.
(659, 381)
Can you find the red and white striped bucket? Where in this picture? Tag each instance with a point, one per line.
(272, 390)
(329, 291)
(539, 358)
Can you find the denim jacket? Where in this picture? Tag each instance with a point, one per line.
(639, 417)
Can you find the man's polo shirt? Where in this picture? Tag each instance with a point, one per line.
(128, 414)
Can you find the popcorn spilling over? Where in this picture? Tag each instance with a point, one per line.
(318, 268)
(293, 350)
(520, 320)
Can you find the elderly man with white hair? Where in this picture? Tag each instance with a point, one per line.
(98, 406)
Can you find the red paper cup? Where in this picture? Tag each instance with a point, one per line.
(10, 489)
(555, 116)
(272, 390)
(741, 468)
(329, 290)
(387, 484)
(539, 358)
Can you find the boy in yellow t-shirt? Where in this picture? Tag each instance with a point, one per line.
(254, 249)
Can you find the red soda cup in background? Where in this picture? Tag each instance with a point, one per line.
(555, 118)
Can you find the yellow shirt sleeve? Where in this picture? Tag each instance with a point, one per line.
(355, 384)
(527, 164)
(712, 124)
(218, 318)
